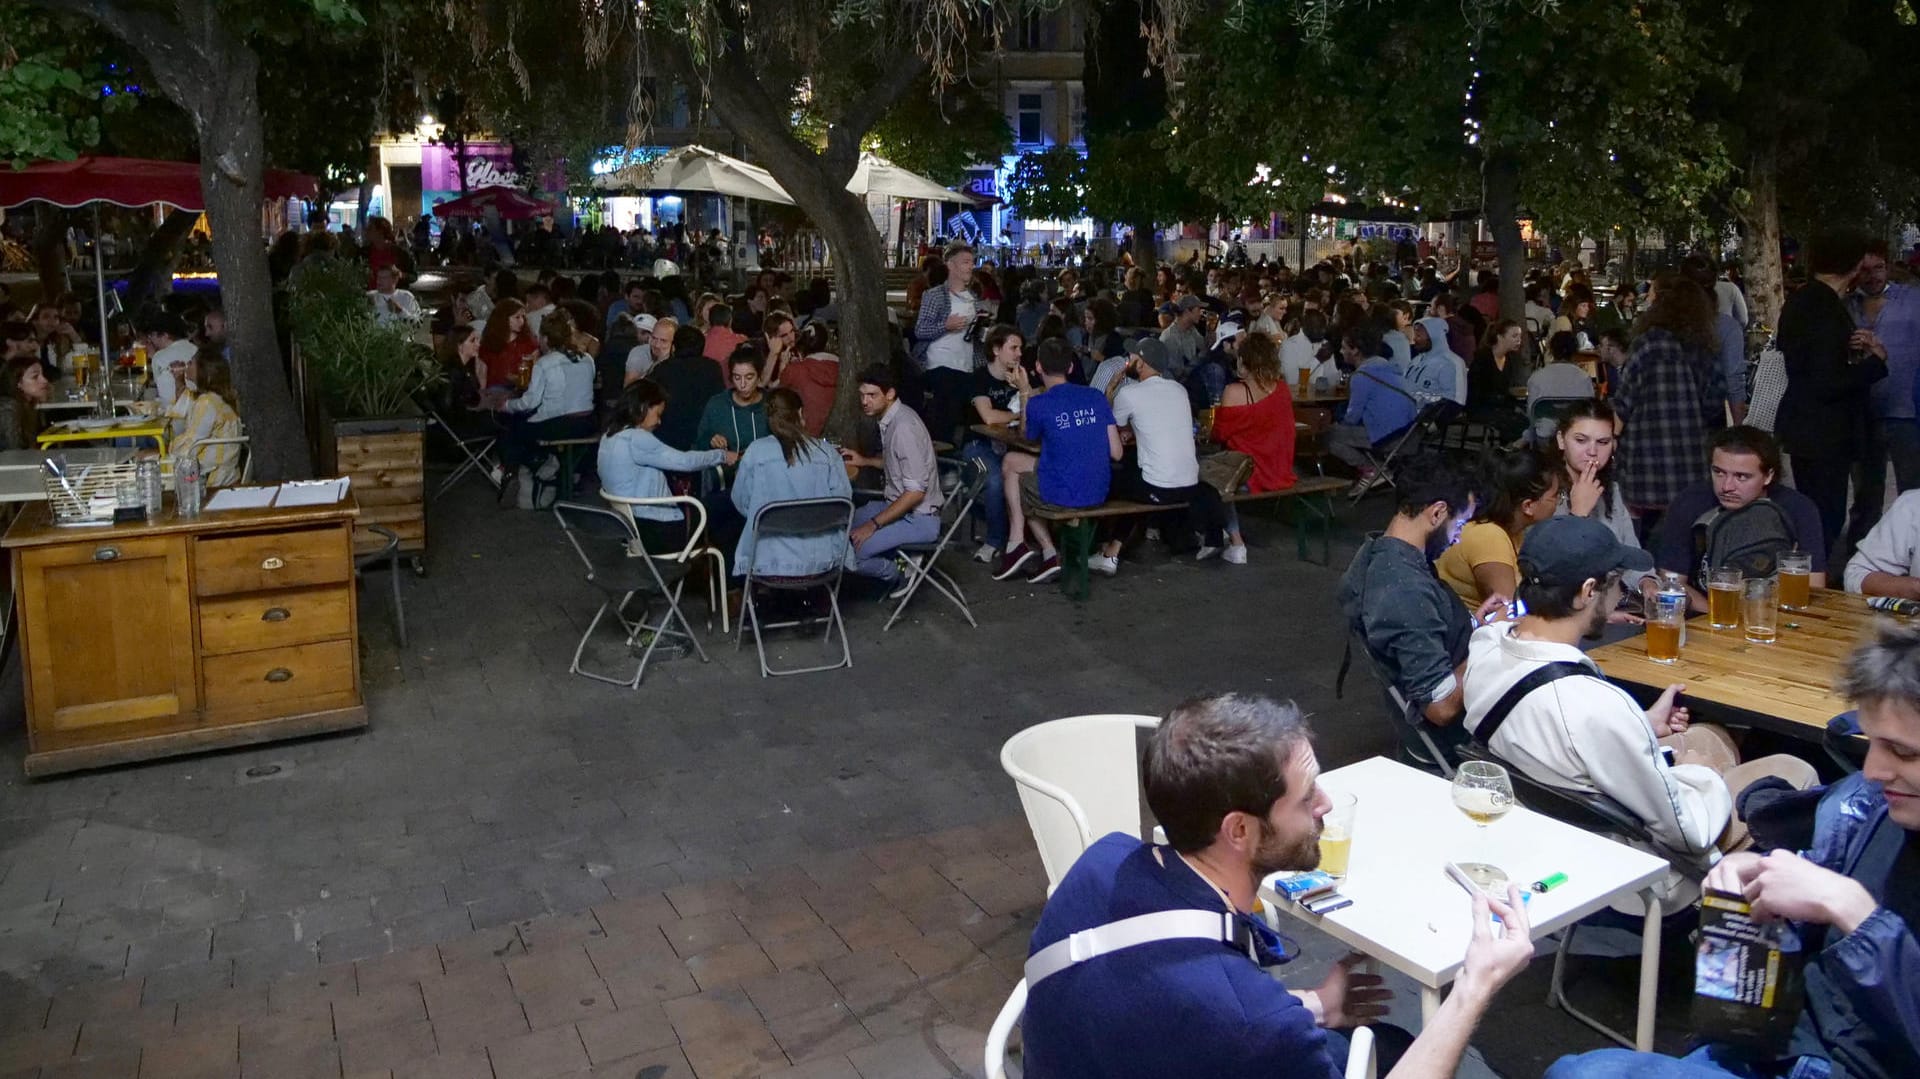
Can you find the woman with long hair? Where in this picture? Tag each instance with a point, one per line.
(505, 343)
(1255, 417)
(634, 464)
(814, 374)
(787, 464)
(1163, 284)
(1582, 452)
(1671, 395)
(27, 388)
(459, 355)
(1520, 489)
(204, 409)
(557, 404)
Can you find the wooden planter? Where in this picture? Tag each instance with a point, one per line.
(385, 459)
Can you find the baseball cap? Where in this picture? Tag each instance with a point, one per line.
(1226, 331)
(1188, 302)
(1149, 349)
(643, 322)
(1567, 550)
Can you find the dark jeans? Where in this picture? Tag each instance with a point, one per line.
(952, 400)
(1824, 479)
(1206, 513)
(1898, 439)
(520, 442)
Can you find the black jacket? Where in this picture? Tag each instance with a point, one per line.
(1825, 411)
(690, 381)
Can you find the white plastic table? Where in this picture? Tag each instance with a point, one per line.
(1409, 915)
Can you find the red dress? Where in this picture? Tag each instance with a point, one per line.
(1263, 431)
(503, 364)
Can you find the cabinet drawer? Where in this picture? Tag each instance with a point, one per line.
(273, 676)
(270, 560)
(274, 619)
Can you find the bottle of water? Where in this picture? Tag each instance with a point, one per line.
(1673, 591)
(188, 484)
(152, 491)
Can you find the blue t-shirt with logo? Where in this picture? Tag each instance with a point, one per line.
(1070, 423)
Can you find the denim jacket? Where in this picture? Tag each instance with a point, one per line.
(1877, 966)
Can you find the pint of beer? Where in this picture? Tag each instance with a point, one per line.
(1666, 614)
(1796, 580)
(1723, 599)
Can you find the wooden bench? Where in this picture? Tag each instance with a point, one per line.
(1315, 495)
(568, 450)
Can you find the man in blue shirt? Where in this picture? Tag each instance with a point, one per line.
(1232, 779)
(1379, 405)
(1891, 311)
(1078, 443)
(1852, 892)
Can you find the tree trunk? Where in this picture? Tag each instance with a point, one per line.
(1502, 211)
(232, 156)
(1760, 247)
(1146, 254)
(156, 259)
(50, 250)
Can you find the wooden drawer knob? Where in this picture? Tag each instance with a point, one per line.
(275, 614)
(279, 674)
(273, 562)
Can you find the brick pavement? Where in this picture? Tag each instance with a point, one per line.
(514, 872)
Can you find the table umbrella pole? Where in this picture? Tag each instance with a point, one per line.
(100, 292)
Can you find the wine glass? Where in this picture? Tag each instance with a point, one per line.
(1484, 792)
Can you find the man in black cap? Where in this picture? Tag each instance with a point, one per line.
(1541, 705)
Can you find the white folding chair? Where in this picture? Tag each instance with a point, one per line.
(962, 481)
(797, 518)
(696, 548)
(1078, 780)
(245, 442)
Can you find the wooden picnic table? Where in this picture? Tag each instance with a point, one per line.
(1786, 686)
(1007, 434)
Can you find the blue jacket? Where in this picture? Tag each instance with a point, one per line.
(1379, 400)
(1876, 968)
(633, 464)
(1178, 1007)
(765, 476)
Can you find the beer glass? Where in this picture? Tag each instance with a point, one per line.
(1796, 580)
(1760, 608)
(1666, 615)
(1723, 598)
(1336, 834)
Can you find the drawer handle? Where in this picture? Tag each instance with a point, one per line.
(275, 614)
(273, 561)
(105, 554)
(279, 674)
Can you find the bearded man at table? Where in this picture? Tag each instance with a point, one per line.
(1852, 892)
(1148, 959)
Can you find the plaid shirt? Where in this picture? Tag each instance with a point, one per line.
(1669, 398)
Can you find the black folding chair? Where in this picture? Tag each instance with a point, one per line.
(477, 449)
(618, 565)
(1381, 456)
(1417, 747)
(797, 519)
(961, 480)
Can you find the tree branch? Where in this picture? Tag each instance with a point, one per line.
(866, 109)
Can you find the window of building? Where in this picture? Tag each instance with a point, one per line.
(1028, 124)
(1030, 33)
(1078, 116)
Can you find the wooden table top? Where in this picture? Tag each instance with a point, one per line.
(35, 528)
(1007, 435)
(1786, 686)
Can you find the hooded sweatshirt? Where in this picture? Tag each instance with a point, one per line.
(1438, 372)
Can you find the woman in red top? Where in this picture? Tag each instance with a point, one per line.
(506, 343)
(813, 373)
(1256, 417)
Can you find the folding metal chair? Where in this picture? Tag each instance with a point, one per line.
(696, 547)
(1381, 462)
(797, 519)
(617, 563)
(962, 481)
(245, 442)
(477, 449)
(1417, 747)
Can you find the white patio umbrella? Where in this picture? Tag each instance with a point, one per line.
(696, 168)
(876, 175)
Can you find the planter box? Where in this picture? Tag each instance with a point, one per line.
(386, 460)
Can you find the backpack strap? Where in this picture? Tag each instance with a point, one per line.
(1532, 680)
(1215, 925)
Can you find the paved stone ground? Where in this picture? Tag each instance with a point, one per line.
(518, 873)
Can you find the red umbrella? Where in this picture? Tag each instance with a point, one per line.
(128, 181)
(511, 203)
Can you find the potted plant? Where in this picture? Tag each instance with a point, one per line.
(360, 376)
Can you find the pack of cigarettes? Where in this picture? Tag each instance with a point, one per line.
(1301, 887)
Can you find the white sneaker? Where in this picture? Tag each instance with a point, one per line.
(523, 489)
(909, 565)
(987, 553)
(1205, 552)
(498, 475)
(549, 468)
(1236, 553)
(1106, 564)
(1153, 535)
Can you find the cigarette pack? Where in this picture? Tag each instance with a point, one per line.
(1301, 887)
(1748, 978)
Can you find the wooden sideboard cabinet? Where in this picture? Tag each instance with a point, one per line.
(146, 640)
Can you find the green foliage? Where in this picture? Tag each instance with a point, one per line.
(941, 138)
(52, 73)
(363, 369)
(1049, 184)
